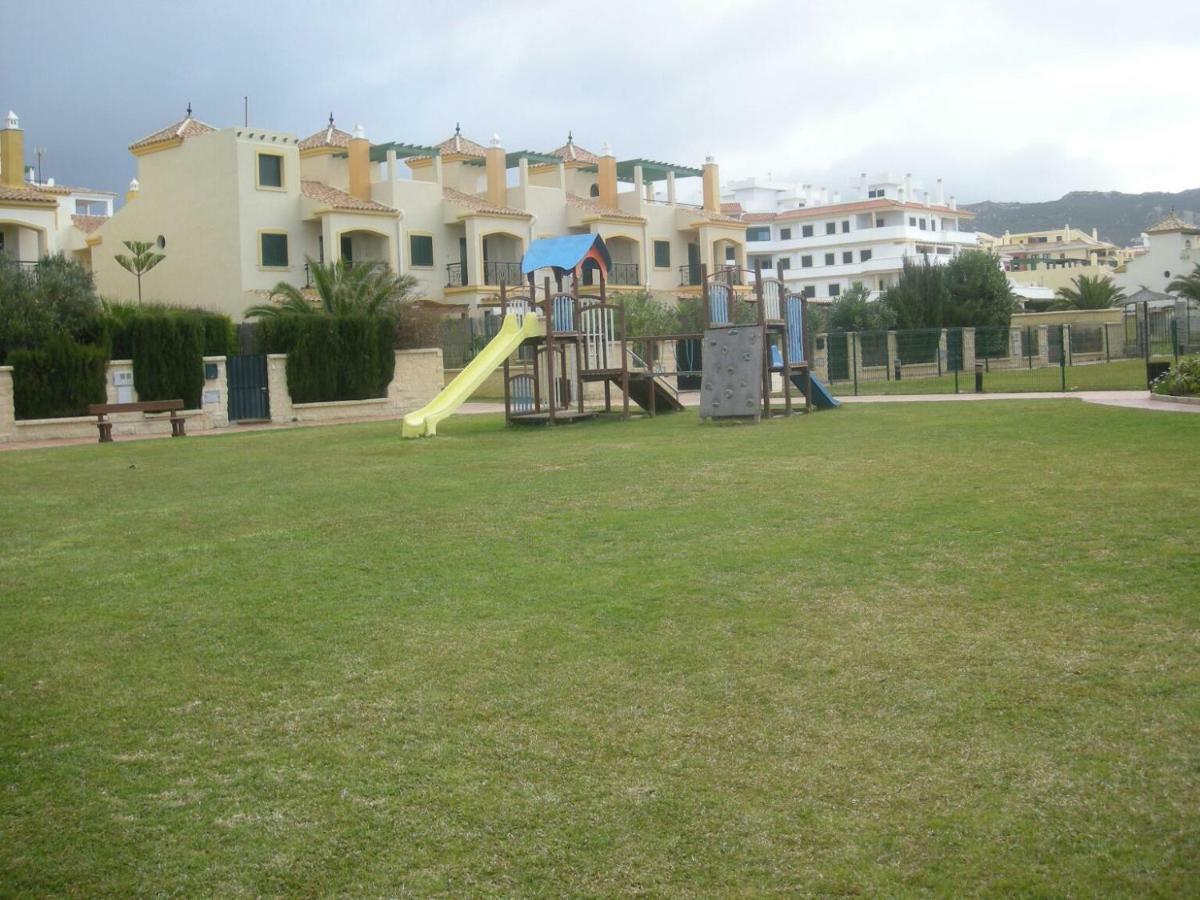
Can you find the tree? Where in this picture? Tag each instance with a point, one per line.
(144, 258)
(647, 315)
(1187, 286)
(970, 291)
(1089, 292)
(855, 311)
(341, 290)
(56, 298)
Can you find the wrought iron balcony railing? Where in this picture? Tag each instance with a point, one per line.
(624, 273)
(493, 272)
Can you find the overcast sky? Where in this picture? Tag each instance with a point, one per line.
(1005, 101)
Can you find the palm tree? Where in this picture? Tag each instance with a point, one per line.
(1089, 292)
(144, 258)
(340, 290)
(1187, 286)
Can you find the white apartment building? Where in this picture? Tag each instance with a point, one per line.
(1172, 251)
(41, 218)
(826, 242)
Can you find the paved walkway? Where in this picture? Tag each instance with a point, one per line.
(1126, 399)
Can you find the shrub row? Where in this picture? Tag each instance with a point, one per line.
(332, 357)
(59, 378)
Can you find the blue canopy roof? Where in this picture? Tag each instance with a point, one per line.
(563, 254)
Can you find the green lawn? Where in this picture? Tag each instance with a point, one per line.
(1119, 375)
(892, 650)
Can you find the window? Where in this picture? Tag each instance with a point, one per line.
(912, 221)
(270, 171)
(879, 222)
(806, 231)
(759, 233)
(921, 224)
(1058, 238)
(662, 254)
(785, 263)
(845, 226)
(729, 254)
(874, 192)
(91, 207)
(273, 250)
(764, 261)
(594, 190)
(864, 255)
(810, 290)
(806, 262)
(830, 258)
(831, 227)
(785, 234)
(847, 256)
(420, 250)
(834, 290)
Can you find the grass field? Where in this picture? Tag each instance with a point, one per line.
(1118, 375)
(891, 650)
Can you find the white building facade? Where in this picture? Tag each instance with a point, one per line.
(827, 243)
(1172, 251)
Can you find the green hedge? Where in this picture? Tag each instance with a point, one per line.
(168, 357)
(332, 357)
(58, 379)
(219, 333)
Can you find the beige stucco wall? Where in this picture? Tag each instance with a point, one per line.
(1069, 317)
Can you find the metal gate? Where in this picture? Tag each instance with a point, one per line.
(248, 395)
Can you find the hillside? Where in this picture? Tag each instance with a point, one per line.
(1119, 217)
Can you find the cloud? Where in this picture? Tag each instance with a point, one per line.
(1001, 102)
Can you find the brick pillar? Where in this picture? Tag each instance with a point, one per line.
(968, 350)
(1043, 345)
(892, 353)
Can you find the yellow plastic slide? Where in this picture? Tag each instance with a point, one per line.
(423, 422)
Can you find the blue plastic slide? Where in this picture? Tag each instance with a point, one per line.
(822, 399)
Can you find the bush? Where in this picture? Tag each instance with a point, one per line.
(58, 298)
(418, 327)
(167, 352)
(219, 335)
(60, 378)
(332, 357)
(1181, 381)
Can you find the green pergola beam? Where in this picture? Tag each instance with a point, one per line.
(654, 170)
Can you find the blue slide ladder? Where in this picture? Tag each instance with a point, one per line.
(795, 338)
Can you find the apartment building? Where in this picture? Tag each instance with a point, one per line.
(237, 210)
(826, 243)
(38, 218)
(1038, 263)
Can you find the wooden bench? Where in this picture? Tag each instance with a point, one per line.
(100, 410)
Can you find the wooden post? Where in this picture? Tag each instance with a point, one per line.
(807, 346)
(762, 330)
(787, 363)
(624, 368)
(503, 316)
(550, 378)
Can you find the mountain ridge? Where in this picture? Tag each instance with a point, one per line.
(1118, 217)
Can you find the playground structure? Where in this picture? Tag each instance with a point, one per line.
(572, 349)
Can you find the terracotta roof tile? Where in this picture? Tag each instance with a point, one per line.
(326, 137)
(88, 224)
(572, 152)
(1172, 222)
(184, 128)
(26, 195)
(456, 143)
(338, 199)
(732, 209)
(479, 204)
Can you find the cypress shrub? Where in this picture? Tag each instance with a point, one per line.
(333, 357)
(218, 334)
(168, 355)
(59, 378)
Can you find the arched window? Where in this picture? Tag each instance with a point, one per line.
(595, 191)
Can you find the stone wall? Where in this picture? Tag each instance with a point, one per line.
(417, 380)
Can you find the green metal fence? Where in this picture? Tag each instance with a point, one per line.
(1114, 356)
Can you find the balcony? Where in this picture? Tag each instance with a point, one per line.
(689, 275)
(349, 264)
(493, 273)
(624, 273)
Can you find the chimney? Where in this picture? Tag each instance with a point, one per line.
(862, 186)
(497, 173)
(908, 194)
(953, 202)
(607, 172)
(12, 152)
(131, 194)
(939, 196)
(1095, 235)
(712, 185)
(360, 164)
